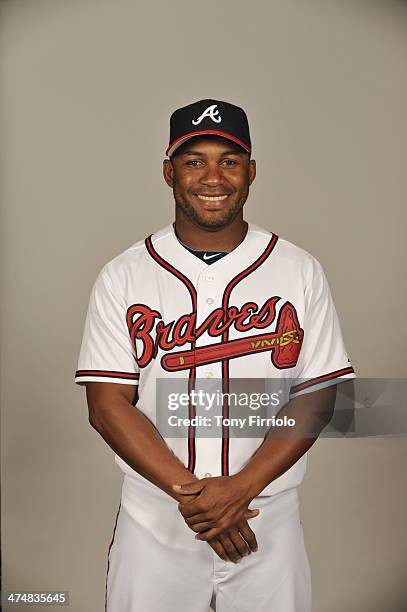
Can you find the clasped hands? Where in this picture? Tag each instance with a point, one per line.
(216, 509)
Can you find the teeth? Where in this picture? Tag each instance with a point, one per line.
(214, 198)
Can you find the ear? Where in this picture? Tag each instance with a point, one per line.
(168, 172)
(252, 171)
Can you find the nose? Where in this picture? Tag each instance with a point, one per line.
(212, 175)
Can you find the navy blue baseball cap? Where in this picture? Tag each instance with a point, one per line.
(209, 117)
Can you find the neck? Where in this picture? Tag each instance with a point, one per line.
(225, 239)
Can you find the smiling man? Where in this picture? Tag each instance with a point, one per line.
(210, 518)
(214, 202)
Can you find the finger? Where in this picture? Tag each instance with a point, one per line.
(190, 487)
(194, 509)
(197, 518)
(231, 551)
(239, 543)
(248, 535)
(214, 532)
(252, 513)
(201, 527)
(185, 500)
(217, 546)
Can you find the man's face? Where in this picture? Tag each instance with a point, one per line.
(210, 177)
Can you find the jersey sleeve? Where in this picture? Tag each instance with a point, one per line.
(106, 353)
(323, 358)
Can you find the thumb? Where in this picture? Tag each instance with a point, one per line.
(189, 488)
(252, 513)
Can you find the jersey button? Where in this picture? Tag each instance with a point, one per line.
(208, 475)
(210, 300)
(209, 277)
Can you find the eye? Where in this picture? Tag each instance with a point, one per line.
(193, 162)
(229, 162)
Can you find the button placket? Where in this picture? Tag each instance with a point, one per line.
(208, 293)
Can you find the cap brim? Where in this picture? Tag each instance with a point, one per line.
(173, 146)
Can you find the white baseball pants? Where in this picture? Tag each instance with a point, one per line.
(156, 565)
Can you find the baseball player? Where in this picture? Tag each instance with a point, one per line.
(210, 519)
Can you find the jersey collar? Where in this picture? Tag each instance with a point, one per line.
(166, 244)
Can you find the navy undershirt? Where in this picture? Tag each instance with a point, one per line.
(209, 257)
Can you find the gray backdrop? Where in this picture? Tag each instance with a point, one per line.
(87, 91)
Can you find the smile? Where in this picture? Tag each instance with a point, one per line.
(212, 198)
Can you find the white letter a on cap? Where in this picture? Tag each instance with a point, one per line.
(209, 112)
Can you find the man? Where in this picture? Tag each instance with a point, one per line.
(211, 297)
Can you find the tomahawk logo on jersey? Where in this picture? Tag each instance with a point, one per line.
(263, 311)
(284, 344)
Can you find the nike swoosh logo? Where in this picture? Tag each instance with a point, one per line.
(205, 256)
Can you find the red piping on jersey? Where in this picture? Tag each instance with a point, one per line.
(108, 553)
(225, 336)
(192, 372)
(107, 374)
(320, 379)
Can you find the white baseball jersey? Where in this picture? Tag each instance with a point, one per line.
(262, 311)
